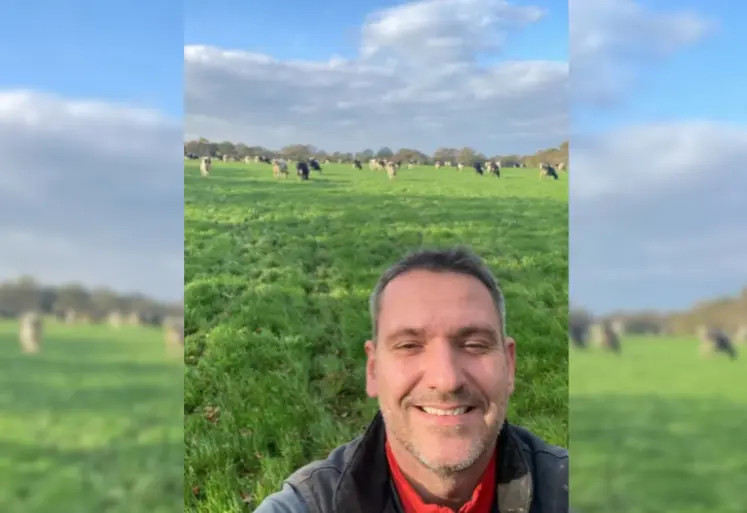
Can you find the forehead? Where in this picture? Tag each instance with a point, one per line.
(426, 299)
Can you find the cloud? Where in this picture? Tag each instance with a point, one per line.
(614, 42)
(657, 206)
(418, 82)
(90, 192)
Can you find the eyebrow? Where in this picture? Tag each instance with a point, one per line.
(463, 332)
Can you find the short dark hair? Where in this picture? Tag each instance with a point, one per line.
(459, 259)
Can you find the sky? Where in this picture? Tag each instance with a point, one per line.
(347, 76)
(91, 187)
(658, 146)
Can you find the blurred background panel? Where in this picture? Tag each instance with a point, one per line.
(91, 266)
(658, 274)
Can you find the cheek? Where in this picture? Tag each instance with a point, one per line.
(395, 381)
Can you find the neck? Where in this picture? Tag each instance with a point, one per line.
(452, 491)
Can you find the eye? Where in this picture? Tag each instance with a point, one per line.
(407, 346)
(476, 345)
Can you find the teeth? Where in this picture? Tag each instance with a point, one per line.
(436, 411)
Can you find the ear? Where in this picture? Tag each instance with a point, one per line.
(510, 352)
(372, 388)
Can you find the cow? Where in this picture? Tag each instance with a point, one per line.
(494, 169)
(478, 168)
(31, 332)
(314, 164)
(460, 166)
(547, 170)
(302, 170)
(279, 168)
(607, 338)
(205, 166)
(438, 164)
(357, 164)
(391, 170)
(714, 340)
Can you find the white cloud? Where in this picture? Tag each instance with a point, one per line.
(416, 83)
(659, 205)
(613, 42)
(90, 192)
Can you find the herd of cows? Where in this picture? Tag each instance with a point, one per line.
(32, 331)
(305, 166)
(606, 335)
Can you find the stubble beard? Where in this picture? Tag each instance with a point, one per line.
(479, 446)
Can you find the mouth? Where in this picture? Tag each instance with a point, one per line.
(446, 412)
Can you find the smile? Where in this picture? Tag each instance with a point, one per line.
(445, 413)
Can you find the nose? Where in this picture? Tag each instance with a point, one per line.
(443, 371)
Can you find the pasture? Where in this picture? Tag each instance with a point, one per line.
(90, 424)
(277, 278)
(657, 429)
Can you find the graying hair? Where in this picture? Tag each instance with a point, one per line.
(459, 260)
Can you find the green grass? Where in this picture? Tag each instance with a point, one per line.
(277, 277)
(91, 424)
(658, 429)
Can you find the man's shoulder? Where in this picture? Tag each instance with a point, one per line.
(297, 491)
(539, 447)
(550, 467)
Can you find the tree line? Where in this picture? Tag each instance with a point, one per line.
(26, 294)
(205, 148)
(727, 313)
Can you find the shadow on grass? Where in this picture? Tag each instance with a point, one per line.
(82, 380)
(120, 477)
(657, 455)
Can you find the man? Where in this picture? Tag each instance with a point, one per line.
(442, 368)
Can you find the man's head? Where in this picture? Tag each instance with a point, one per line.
(439, 341)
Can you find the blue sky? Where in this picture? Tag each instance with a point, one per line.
(656, 217)
(317, 30)
(704, 80)
(426, 38)
(117, 50)
(87, 138)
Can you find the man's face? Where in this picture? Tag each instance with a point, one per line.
(439, 347)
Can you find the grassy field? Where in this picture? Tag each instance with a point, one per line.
(277, 276)
(658, 430)
(92, 424)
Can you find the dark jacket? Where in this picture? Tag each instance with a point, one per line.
(532, 477)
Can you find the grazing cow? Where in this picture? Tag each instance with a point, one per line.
(478, 168)
(247, 160)
(174, 333)
(205, 166)
(373, 164)
(494, 169)
(547, 170)
(31, 332)
(460, 166)
(279, 168)
(391, 170)
(578, 335)
(314, 164)
(302, 170)
(740, 338)
(265, 160)
(714, 340)
(561, 166)
(357, 164)
(606, 338)
(438, 164)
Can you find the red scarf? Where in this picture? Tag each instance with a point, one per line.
(481, 501)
